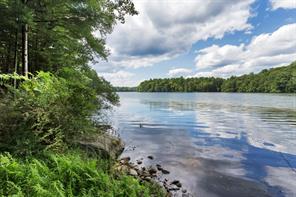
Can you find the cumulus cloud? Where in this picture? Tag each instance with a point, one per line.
(120, 78)
(216, 56)
(178, 72)
(165, 29)
(264, 51)
(285, 4)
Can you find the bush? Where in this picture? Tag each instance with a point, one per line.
(47, 112)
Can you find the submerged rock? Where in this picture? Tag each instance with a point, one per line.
(150, 157)
(158, 166)
(165, 171)
(177, 183)
(139, 162)
(152, 170)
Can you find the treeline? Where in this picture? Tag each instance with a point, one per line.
(125, 89)
(275, 80)
(203, 84)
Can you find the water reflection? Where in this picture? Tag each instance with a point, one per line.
(217, 144)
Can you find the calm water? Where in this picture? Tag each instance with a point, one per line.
(216, 144)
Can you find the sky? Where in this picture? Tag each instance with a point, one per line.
(194, 38)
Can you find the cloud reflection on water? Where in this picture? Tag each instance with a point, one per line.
(201, 137)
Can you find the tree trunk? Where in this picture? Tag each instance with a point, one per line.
(15, 56)
(25, 49)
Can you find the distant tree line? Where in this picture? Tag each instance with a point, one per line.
(125, 89)
(275, 80)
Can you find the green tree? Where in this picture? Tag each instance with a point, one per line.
(55, 34)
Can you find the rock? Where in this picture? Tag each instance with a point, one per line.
(174, 188)
(150, 157)
(158, 166)
(165, 171)
(133, 172)
(139, 162)
(177, 183)
(105, 145)
(125, 160)
(147, 179)
(184, 190)
(169, 194)
(152, 170)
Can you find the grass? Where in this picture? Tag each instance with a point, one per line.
(69, 174)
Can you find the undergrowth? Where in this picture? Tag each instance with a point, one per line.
(69, 174)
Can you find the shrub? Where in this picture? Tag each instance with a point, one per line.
(49, 111)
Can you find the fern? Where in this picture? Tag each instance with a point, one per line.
(65, 175)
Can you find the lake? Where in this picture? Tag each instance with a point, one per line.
(216, 144)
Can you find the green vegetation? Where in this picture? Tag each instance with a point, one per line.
(48, 35)
(70, 174)
(49, 111)
(181, 84)
(275, 80)
(125, 89)
(51, 101)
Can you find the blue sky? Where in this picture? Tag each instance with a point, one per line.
(193, 38)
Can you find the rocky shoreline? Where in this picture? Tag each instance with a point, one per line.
(152, 173)
(111, 146)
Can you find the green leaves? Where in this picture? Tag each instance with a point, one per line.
(66, 175)
(61, 33)
(47, 112)
(276, 80)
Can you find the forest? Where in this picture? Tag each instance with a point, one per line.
(274, 80)
(52, 102)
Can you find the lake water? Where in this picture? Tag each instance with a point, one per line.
(216, 144)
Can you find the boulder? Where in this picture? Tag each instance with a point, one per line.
(105, 145)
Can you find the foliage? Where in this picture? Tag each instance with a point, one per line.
(181, 84)
(70, 174)
(275, 80)
(61, 33)
(48, 112)
(125, 89)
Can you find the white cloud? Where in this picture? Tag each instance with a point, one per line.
(286, 4)
(215, 56)
(165, 29)
(264, 51)
(120, 78)
(178, 72)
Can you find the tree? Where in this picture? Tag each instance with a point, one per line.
(56, 34)
(278, 80)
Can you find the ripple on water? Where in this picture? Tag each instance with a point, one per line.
(217, 144)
